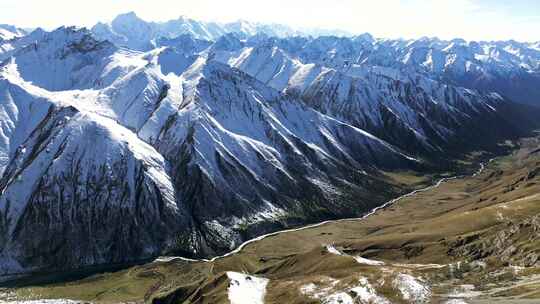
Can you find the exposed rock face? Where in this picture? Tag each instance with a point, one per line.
(514, 244)
(109, 155)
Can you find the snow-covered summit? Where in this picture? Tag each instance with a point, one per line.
(131, 31)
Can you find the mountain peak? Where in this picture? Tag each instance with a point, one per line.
(127, 19)
(228, 42)
(366, 37)
(128, 15)
(38, 31)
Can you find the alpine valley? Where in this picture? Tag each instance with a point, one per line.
(179, 141)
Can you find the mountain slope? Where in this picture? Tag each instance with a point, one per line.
(508, 67)
(9, 47)
(67, 166)
(191, 162)
(470, 240)
(8, 32)
(192, 148)
(409, 110)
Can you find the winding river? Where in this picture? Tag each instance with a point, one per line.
(389, 203)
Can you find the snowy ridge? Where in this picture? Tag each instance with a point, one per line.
(162, 130)
(427, 112)
(194, 147)
(128, 30)
(476, 65)
(8, 47)
(8, 32)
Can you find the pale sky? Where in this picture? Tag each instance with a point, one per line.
(447, 19)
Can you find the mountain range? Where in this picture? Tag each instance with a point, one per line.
(137, 139)
(510, 68)
(133, 32)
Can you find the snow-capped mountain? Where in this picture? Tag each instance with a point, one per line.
(8, 47)
(508, 67)
(98, 142)
(8, 32)
(128, 30)
(407, 109)
(185, 44)
(110, 154)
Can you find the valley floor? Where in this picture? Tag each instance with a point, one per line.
(470, 240)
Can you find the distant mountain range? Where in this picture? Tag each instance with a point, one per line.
(136, 139)
(130, 31)
(507, 67)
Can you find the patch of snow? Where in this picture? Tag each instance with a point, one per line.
(464, 291)
(365, 261)
(516, 269)
(338, 298)
(327, 294)
(412, 289)
(308, 289)
(323, 290)
(331, 249)
(455, 301)
(246, 289)
(365, 293)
